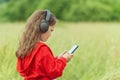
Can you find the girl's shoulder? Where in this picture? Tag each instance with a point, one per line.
(41, 44)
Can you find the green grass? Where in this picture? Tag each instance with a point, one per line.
(97, 57)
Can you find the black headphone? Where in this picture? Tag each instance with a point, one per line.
(44, 24)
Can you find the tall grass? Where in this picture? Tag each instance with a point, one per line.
(97, 57)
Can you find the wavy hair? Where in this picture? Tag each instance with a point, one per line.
(31, 35)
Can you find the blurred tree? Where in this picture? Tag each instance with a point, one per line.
(66, 10)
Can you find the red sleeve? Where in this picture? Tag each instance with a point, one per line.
(52, 66)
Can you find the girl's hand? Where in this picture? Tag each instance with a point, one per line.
(67, 56)
(59, 56)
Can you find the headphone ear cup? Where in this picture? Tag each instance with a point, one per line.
(44, 26)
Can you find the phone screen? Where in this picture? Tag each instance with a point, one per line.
(74, 47)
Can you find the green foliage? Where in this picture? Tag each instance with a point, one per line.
(3, 1)
(66, 10)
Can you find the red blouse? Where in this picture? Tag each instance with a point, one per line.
(40, 64)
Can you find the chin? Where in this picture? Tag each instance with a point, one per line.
(44, 40)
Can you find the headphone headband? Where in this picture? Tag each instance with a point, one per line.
(48, 13)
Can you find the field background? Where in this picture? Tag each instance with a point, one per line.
(97, 57)
(92, 24)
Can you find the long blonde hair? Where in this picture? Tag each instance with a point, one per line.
(31, 35)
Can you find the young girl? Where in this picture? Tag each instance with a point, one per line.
(35, 59)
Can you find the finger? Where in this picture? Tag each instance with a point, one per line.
(64, 52)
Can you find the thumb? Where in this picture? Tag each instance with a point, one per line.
(64, 52)
(60, 55)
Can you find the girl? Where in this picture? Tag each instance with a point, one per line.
(35, 58)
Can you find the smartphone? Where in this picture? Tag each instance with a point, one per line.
(72, 50)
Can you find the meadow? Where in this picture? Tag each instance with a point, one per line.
(97, 58)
